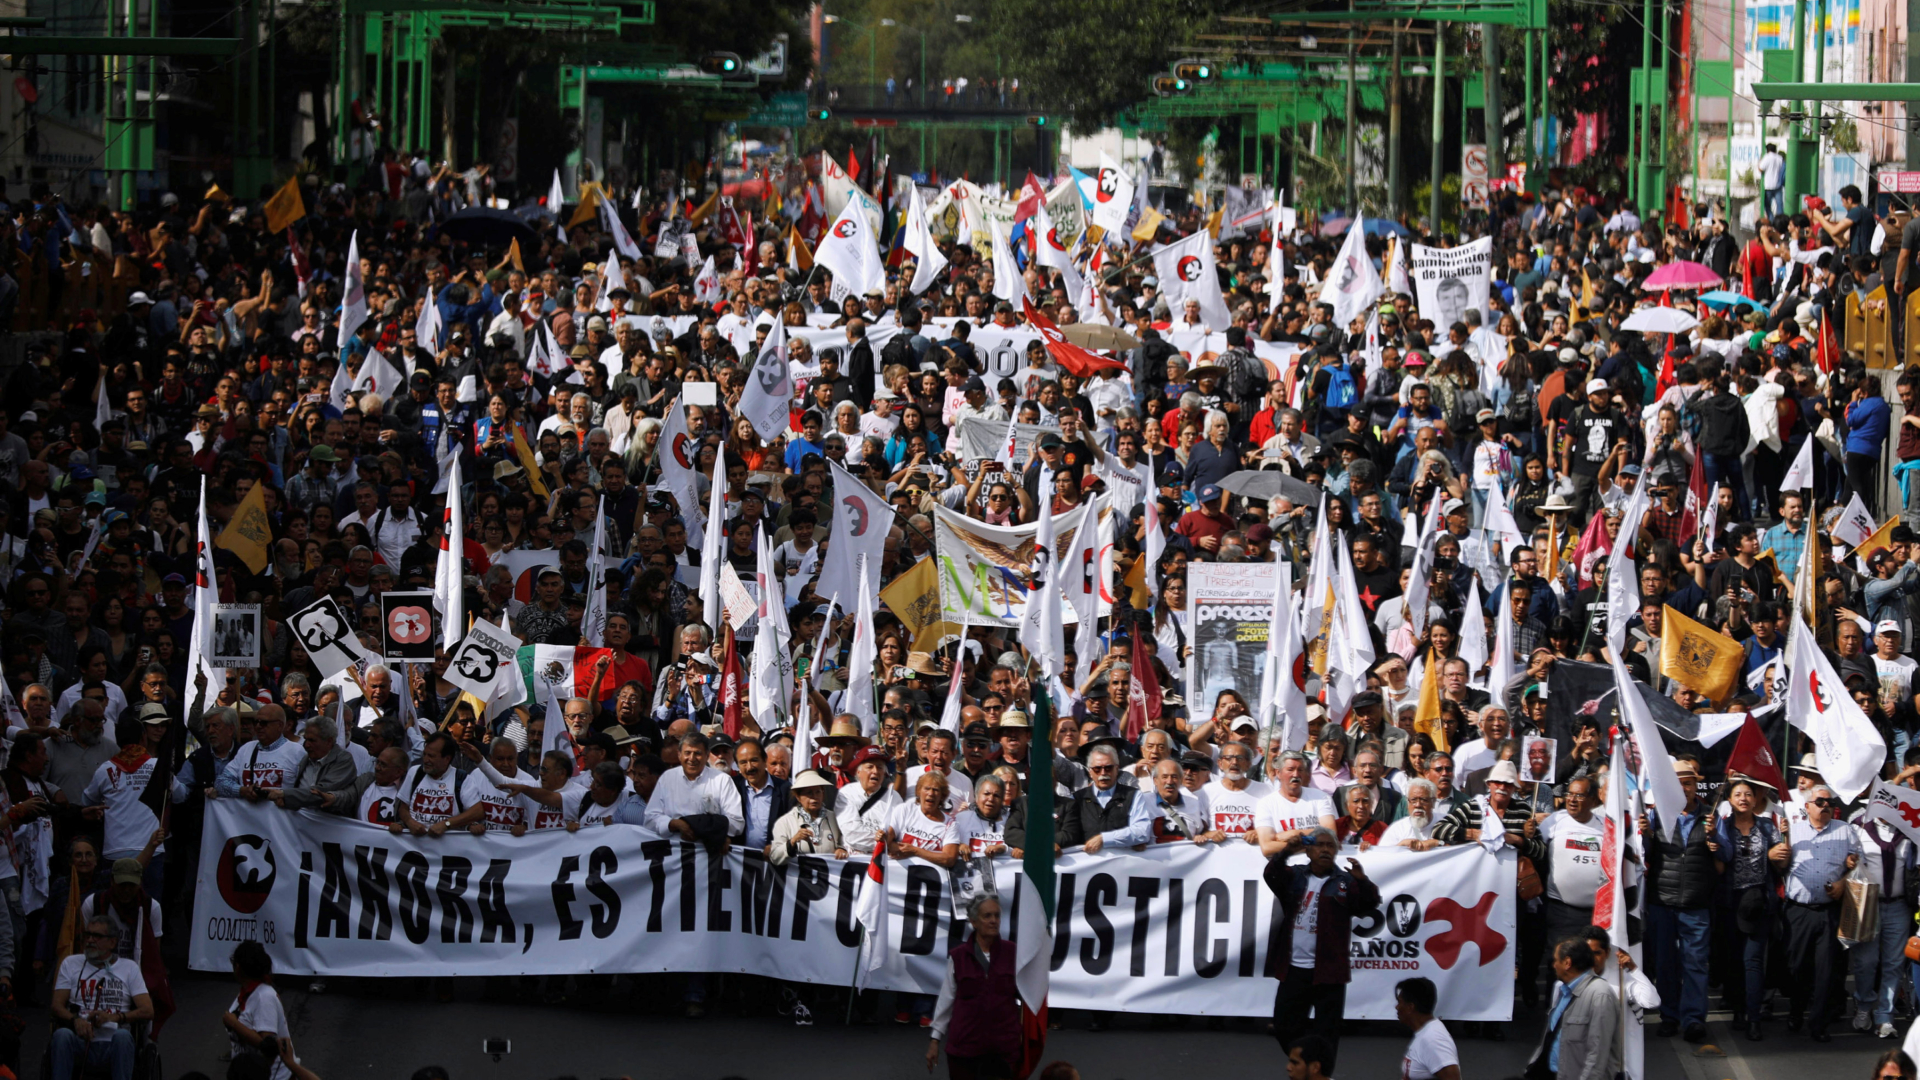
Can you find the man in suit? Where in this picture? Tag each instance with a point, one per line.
(1101, 807)
(1311, 951)
(1579, 1043)
(764, 798)
(328, 770)
(1388, 806)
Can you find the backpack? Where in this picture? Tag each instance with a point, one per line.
(1691, 418)
(1340, 393)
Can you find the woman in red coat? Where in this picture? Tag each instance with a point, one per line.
(978, 1015)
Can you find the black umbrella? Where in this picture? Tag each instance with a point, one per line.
(486, 225)
(1269, 484)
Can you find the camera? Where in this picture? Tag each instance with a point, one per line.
(496, 1048)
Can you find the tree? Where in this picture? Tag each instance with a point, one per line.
(1096, 55)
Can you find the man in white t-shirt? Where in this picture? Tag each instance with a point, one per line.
(1431, 1054)
(1895, 670)
(1484, 751)
(433, 799)
(1573, 838)
(269, 762)
(1233, 799)
(501, 810)
(99, 993)
(940, 755)
(1292, 809)
(380, 794)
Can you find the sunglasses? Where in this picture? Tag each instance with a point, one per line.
(1825, 804)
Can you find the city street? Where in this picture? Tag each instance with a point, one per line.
(388, 1034)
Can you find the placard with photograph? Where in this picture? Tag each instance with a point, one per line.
(236, 636)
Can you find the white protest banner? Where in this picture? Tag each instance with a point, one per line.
(1449, 281)
(1229, 613)
(322, 629)
(833, 339)
(983, 568)
(983, 438)
(1179, 928)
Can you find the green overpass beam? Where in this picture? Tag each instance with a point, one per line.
(63, 45)
(1801, 91)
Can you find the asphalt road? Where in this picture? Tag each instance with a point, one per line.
(388, 1029)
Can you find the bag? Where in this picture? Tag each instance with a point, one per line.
(1913, 949)
(1530, 885)
(1859, 912)
(1339, 386)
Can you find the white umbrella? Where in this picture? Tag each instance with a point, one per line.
(1660, 320)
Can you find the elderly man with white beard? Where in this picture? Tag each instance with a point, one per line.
(1415, 830)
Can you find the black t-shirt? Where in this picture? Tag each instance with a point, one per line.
(1377, 587)
(1593, 434)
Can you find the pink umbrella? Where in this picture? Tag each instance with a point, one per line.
(1681, 274)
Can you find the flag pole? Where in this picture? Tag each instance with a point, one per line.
(853, 981)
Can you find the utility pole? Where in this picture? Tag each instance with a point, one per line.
(1439, 126)
(1393, 130)
(1495, 115)
(1793, 131)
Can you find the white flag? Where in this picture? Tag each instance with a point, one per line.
(448, 583)
(1349, 640)
(1050, 252)
(1277, 253)
(706, 284)
(1623, 580)
(851, 252)
(714, 551)
(353, 301)
(1281, 706)
(677, 452)
(1499, 521)
(1080, 587)
(1898, 806)
(593, 621)
(1155, 543)
(1008, 285)
(556, 195)
(378, 376)
(1040, 629)
(1186, 271)
(771, 677)
(928, 262)
(427, 328)
(1473, 629)
(622, 240)
(803, 728)
(1656, 765)
(1854, 524)
(611, 278)
(1800, 474)
(950, 715)
(1846, 745)
(201, 597)
(102, 404)
(1112, 198)
(1504, 668)
(858, 699)
(1352, 285)
(768, 394)
(870, 912)
(858, 538)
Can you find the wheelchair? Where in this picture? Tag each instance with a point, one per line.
(146, 1056)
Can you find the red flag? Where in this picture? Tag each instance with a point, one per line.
(1065, 353)
(1031, 196)
(813, 218)
(301, 271)
(1696, 497)
(1143, 689)
(853, 164)
(732, 689)
(1754, 759)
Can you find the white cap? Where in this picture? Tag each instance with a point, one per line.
(1887, 626)
(1597, 386)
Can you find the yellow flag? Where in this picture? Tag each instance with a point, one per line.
(704, 210)
(1426, 715)
(798, 257)
(286, 206)
(589, 208)
(928, 637)
(1587, 292)
(1213, 222)
(1136, 579)
(524, 450)
(513, 256)
(1149, 224)
(1699, 657)
(1882, 538)
(216, 194)
(774, 202)
(914, 597)
(249, 532)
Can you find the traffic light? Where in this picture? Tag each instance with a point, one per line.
(1193, 71)
(724, 64)
(819, 116)
(1037, 120)
(1170, 85)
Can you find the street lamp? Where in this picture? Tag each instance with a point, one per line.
(872, 65)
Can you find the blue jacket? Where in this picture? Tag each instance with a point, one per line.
(1725, 837)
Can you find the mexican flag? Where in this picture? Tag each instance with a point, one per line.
(568, 671)
(1033, 942)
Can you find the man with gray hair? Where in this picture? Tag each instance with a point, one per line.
(1291, 808)
(72, 761)
(1415, 830)
(1816, 858)
(1102, 807)
(329, 769)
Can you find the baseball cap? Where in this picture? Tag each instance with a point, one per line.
(1596, 386)
(128, 872)
(1209, 493)
(1887, 626)
(151, 712)
(973, 383)
(1484, 415)
(323, 452)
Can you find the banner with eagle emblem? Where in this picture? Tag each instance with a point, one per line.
(984, 568)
